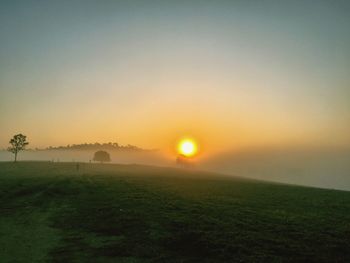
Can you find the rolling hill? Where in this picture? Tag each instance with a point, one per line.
(53, 212)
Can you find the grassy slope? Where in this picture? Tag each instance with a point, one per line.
(117, 213)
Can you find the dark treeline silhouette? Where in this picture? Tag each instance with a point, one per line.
(96, 146)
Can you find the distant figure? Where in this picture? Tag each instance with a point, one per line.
(18, 143)
(101, 156)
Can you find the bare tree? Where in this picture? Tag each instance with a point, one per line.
(18, 143)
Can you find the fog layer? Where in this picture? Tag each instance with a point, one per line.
(326, 168)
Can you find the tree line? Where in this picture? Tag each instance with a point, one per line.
(19, 143)
(96, 146)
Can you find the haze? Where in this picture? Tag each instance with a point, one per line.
(235, 75)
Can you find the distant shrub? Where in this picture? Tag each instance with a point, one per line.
(101, 156)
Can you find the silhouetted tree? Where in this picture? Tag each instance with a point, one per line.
(18, 143)
(101, 156)
(184, 161)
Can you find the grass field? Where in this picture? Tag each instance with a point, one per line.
(50, 212)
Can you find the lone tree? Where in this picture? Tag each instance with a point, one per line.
(184, 161)
(101, 156)
(18, 143)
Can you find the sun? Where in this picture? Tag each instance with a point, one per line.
(187, 147)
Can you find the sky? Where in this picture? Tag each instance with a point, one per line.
(231, 74)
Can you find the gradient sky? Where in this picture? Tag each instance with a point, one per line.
(232, 74)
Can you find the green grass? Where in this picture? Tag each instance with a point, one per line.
(117, 213)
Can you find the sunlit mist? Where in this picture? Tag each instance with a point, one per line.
(237, 76)
(187, 147)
